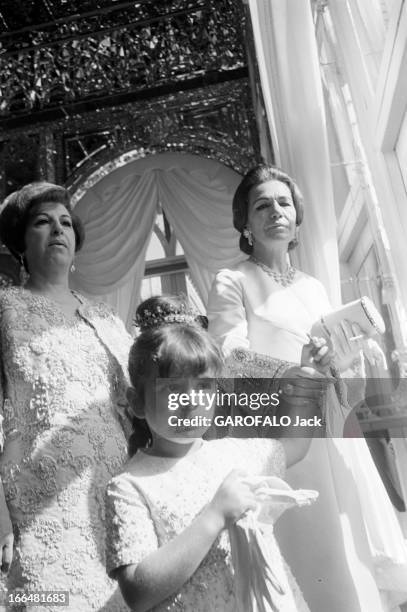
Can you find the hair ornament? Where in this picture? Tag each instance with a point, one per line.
(150, 319)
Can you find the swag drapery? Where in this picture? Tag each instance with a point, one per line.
(196, 193)
(119, 210)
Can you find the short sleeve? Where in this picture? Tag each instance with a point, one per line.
(130, 533)
(226, 311)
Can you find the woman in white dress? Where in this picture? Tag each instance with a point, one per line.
(342, 550)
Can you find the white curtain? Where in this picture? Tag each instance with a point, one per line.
(289, 70)
(118, 212)
(118, 216)
(199, 207)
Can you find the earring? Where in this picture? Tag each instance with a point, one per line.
(248, 235)
(73, 268)
(294, 241)
(23, 274)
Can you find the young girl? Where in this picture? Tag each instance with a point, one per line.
(168, 510)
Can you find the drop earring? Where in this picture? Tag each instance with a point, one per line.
(248, 235)
(23, 274)
(73, 268)
(294, 241)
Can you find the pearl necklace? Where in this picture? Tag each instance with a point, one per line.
(283, 279)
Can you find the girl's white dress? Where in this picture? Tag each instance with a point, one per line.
(156, 498)
(348, 544)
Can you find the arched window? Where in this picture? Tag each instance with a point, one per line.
(166, 268)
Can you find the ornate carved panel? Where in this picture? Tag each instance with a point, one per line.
(20, 161)
(83, 82)
(214, 122)
(116, 48)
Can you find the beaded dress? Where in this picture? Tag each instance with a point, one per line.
(156, 498)
(63, 388)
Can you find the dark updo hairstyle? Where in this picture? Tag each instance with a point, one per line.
(257, 176)
(173, 342)
(19, 207)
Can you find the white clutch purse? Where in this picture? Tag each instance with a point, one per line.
(361, 312)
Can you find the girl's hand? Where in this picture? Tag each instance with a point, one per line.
(6, 550)
(233, 498)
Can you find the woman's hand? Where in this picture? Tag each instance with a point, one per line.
(343, 346)
(347, 339)
(6, 549)
(304, 386)
(318, 353)
(233, 498)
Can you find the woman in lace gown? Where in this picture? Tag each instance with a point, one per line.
(62, 409)
(266, 307)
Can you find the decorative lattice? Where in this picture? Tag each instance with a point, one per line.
(143, 45)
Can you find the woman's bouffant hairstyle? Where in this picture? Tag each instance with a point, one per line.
(256, 176)
(19, 207)
(173, 348)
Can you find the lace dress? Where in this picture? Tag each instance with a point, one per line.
(62, 381)
(156, 498)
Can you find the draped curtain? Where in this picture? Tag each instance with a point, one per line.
(287, 58)
(196, 193)
(119, 212)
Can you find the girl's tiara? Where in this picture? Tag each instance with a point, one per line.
(149, 319)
